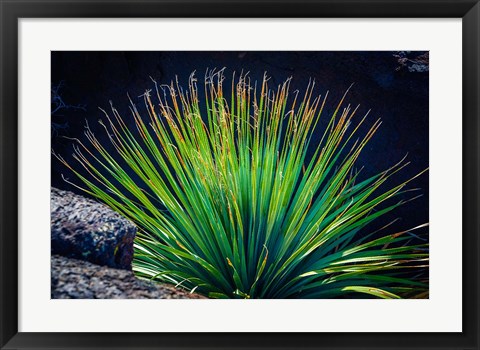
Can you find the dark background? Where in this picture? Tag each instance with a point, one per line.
(394, 85)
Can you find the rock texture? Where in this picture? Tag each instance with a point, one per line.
(75, 279)
(414, 62)
(84, 229)
(92, 252)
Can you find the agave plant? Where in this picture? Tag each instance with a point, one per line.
(229, 203)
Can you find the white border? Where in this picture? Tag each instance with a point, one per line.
(441, 313)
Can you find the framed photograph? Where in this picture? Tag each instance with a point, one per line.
(214, 174)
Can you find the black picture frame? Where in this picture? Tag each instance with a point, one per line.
(11, 11)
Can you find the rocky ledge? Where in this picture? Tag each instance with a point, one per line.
(76, 279)
(92, 252)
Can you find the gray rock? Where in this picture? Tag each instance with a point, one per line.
(76, 279)
(84, 229)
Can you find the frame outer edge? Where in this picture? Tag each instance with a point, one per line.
(10, 12)
(243, 8)
(471, 173)
(8, 174)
